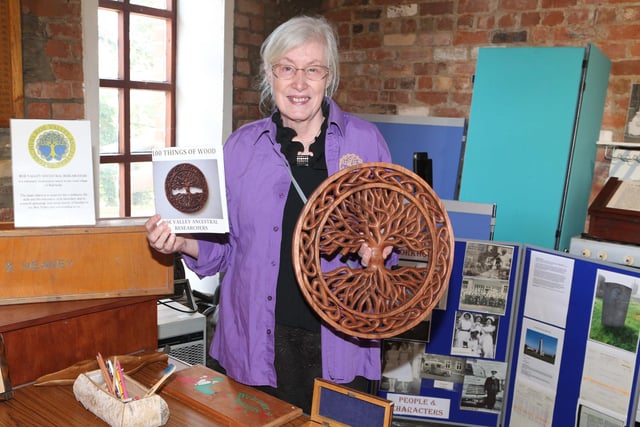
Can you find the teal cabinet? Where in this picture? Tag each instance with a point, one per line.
(535, 118)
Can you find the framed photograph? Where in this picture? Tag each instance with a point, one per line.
(401, 366)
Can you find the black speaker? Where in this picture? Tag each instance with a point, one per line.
(423, 167)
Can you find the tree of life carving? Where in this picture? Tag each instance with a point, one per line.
(380, 204)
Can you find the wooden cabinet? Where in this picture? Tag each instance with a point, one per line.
(43, 338)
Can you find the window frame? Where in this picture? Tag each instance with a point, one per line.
(125, 158)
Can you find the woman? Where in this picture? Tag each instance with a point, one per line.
(267, 335)
(463, 330)
(487, 340)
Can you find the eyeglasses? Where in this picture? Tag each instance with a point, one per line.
(287, 72)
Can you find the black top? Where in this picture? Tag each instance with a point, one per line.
(309, 171)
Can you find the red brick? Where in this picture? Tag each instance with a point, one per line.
(617, 51)
(517, 4)
(471, 37)
(622, 32)
(52, 8)
(67, 71)
(507, 21)
(627, 68)
(579, 16)
(436, 8)
(38, 110)
(431, 98)
(528, 19)
(362, 96)
(444, 23)
(552, 18)
(67, 110)
(57, 49)
(486, 22)
(249, 7)
(551, 4)
(65, 31)
(474, 6)
(401, 97)
(366, 42)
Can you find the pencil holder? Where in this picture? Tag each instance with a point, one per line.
(90, 390)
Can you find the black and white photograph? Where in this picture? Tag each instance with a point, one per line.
(490, 261)
(632, 127)
(485, 295)
(475, 335)
(401, 366)
(442, 368)
(483, 386)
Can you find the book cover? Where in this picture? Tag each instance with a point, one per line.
(189, 189)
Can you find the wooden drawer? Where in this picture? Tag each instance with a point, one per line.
(111, 259)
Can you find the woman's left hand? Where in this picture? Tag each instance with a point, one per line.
(365, 253)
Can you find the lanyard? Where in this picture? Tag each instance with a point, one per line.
(295, 183)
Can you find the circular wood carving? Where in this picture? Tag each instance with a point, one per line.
(382, 205)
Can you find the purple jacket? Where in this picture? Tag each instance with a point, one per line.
(257, 184)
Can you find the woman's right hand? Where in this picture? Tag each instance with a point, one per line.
(163, 240)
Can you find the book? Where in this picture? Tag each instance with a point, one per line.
(189, 189)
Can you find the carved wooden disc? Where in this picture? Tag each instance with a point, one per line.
(380, 204)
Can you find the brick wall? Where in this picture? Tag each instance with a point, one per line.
(52, 59)
(398, 57)
(418, 58)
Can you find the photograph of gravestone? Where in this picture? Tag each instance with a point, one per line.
(615, 317)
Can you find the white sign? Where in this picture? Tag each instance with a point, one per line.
(419, 406)
(52, 173)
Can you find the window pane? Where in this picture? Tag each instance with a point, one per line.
(148, 57)
(157, 4)
(108, 44)
(109, 190)
(148, 120)
(109, 120)
(142, 201)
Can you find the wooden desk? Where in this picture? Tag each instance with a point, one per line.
(54, 406)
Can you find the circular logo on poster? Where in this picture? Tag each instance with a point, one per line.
(52, 146)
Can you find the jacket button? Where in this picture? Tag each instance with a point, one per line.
(269, 298)
(268, 331)
(276, 228)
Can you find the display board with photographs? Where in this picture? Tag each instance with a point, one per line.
(575, 350)
(453, 367)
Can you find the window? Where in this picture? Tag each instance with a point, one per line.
(137, 51)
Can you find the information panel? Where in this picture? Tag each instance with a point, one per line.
(575, 356)
(454, 366)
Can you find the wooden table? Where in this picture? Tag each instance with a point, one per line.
(56, 406)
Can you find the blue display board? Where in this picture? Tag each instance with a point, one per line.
(441, 138)
(565, 343)
(441, 378)
(575, 343)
